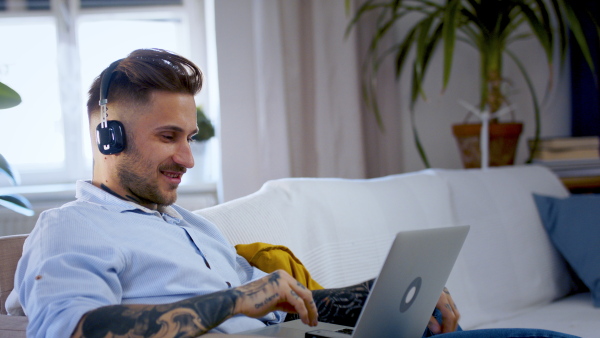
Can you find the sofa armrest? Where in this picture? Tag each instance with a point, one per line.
(13, 326)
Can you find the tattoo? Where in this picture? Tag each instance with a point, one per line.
(259, 293)
(266, 301)
(340, 306)
(187, 318)
(110, 191)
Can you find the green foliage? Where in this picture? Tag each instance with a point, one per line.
(206, 130)
(489, 26)
(8, 99)
(17, 203)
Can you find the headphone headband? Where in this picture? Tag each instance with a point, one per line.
(105, 81)
(110, 135)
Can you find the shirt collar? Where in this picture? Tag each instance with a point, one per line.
(86, 191)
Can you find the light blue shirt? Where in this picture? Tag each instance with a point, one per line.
(101, 250)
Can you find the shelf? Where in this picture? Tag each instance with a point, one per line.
(583, 184)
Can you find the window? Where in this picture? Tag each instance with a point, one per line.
(51, 54)
(31, 133)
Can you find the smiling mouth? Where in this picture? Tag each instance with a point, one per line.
(172, 174)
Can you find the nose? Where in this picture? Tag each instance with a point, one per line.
(184, 155)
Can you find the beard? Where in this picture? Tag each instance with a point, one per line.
(138, 175)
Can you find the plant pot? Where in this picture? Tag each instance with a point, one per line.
(504, 138)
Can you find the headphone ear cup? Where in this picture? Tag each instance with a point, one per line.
(111, 139)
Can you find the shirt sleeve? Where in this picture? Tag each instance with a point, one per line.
(65, 273)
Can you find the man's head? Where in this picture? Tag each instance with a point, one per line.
(152, 94)
(142, 72)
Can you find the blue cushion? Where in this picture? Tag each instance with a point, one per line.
(573, 224)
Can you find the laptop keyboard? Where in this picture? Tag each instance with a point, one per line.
(346, 331)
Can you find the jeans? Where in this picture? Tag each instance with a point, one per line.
(496, 333)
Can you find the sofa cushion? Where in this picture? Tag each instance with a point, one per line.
(572, 315)
(507, 263)
(341, 229)
(573, 224)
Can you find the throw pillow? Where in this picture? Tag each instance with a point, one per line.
(573, 224)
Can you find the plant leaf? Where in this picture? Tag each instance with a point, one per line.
(8, 97)
(364, 8)
(7, 170)
(17, 203)
(577, 31)
(450, 23)
(403, 49)
(417, 140)
(536, 105)
(540, 29)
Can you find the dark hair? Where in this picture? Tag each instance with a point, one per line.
(144, 71)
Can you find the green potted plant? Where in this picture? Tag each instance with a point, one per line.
(206, 130)
(8, 99)
(489, 26)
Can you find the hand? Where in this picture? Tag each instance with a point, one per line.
(276, 291)
(450, 315)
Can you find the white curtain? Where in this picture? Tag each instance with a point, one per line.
(289, 93)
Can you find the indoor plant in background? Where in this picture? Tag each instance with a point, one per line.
(8, 99)
(206, 131)
(489, 26)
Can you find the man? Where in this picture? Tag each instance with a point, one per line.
(123, 260)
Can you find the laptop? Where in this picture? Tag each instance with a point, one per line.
(404, 295)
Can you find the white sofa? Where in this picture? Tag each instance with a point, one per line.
(507, 275)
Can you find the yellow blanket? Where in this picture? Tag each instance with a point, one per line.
(269, 257)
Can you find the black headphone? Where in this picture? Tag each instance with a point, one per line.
(110, 135)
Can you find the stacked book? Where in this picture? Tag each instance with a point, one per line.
(569, 156)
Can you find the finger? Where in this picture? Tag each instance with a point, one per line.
(450, 314)
(453, 304)
(266, 294)
(434, 326)
(303, 303)
(295, 298)
(454, 309)
(313, 313)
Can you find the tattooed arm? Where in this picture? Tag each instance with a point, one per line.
(197, 315)
(343, 306)
(340, 306)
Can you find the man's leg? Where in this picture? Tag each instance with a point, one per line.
(495, 333)
(506, 333)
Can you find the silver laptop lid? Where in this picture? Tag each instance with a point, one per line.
(410, 283)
